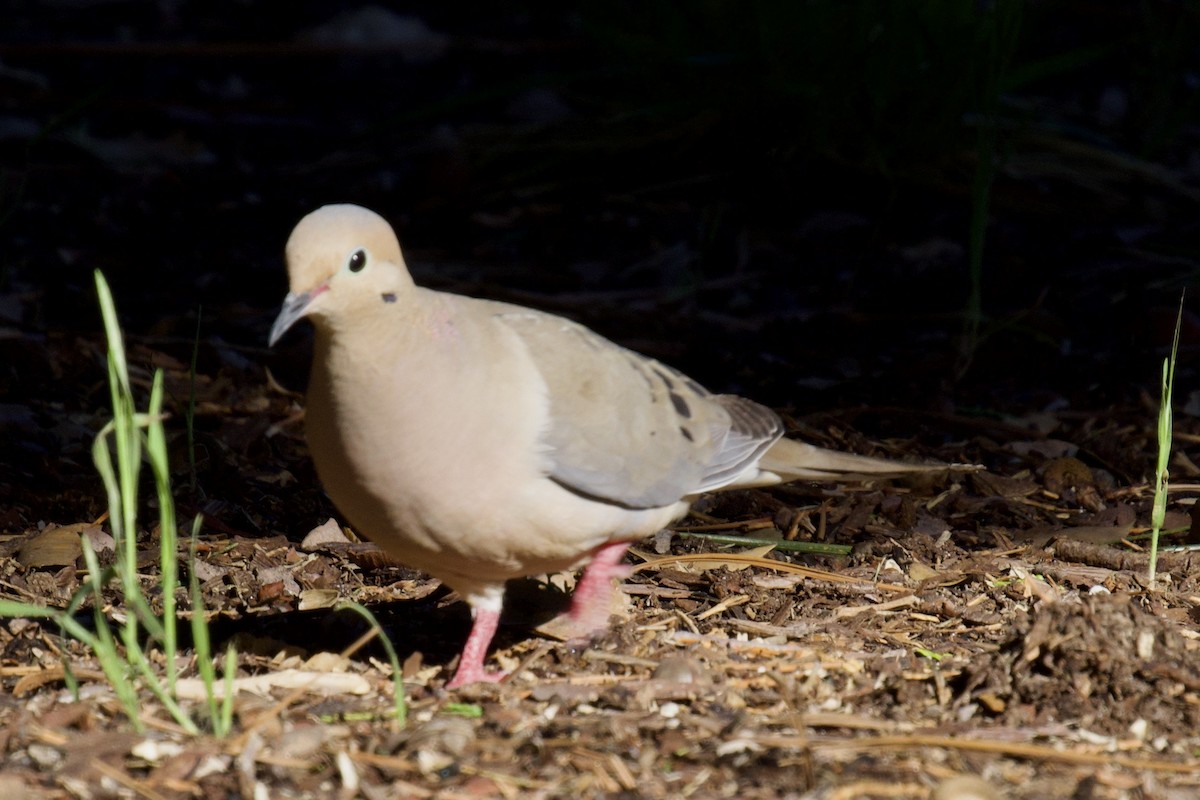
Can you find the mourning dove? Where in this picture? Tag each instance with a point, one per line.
(480, 441)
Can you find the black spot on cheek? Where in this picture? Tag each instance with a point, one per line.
(686, 433)
(388, 297)
(681, 405)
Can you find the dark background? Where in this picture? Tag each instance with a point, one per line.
(787, 199)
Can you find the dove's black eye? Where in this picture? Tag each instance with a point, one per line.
(358, 260)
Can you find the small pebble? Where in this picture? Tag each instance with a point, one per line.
(681, 669)
(44, 755)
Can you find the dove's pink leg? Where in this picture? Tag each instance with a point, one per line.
(592, 603)
(590, 608)
(470, 663)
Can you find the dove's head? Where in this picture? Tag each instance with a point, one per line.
(340, 260)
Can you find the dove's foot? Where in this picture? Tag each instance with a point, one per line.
(470, 663)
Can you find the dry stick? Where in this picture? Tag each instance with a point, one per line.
(537, 655)
(766, 563)
(749, 524)
(401, 764)
(782, 545)
(37, 677)
(1031, 751)
(1067, 549)
(135, 786)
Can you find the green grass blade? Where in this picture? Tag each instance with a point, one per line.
(128, 447)
(397, 672)
(223, 723)
(104, 645)
(1158, 513)
(201, 641)
(117, 453)
(136, 656)
(156, 452)
(112, 332)
(66, 623)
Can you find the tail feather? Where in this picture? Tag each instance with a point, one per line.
(792, 460)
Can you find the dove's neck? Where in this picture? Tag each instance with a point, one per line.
(393, 327)
(421, 346)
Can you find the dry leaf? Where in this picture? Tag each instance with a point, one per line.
(328, 533)
(55, 547)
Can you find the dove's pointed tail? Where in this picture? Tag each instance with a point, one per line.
(792, 460)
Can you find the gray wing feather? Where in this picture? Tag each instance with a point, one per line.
(629, 430)
(753, 429)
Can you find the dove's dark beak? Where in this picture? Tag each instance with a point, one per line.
(295, 306)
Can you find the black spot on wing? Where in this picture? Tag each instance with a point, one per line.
(388, 297)
(686, 434)
(681, 406)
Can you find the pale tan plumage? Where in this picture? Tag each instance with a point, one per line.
(481, 441)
